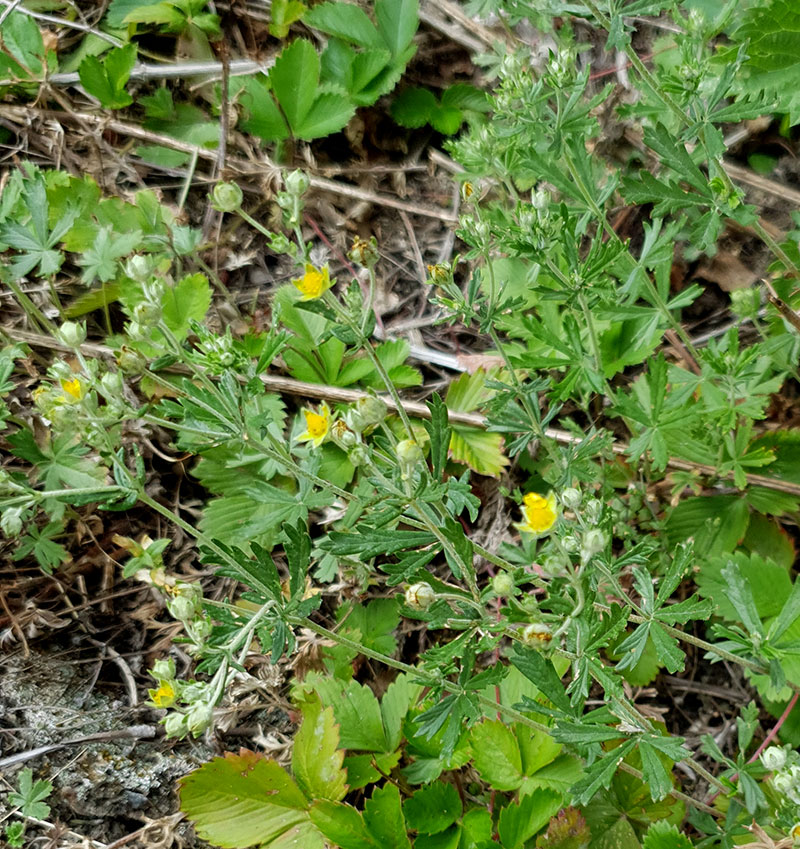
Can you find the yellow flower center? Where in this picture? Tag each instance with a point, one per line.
(316, 425)
(73, 388)
(164, 696)
(539, 512)
(313, 283)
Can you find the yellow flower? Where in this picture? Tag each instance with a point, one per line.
(164, 696)
(539, 513)
(313, 283)
(73, 389)
(318, 425)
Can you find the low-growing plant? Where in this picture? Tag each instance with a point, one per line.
(517, 723)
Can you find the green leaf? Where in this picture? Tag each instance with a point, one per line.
(357, 713)
(769, 584)
(740, 595)
(400, 696)
(521, 820)
(188, 300)
(31, 795)
(772, 33)
(342, 825)
(665, 835)
(414, 107)
(397, 23)
(329, 113)
(496, 755)
(263, 118)
(316, 758)
(242, 800)
(106, 80)
(788, 615)
(23, 40)
(433, 809)
(294, 78)
(654, 773)
(439, 433)
(346, 21)
(478, 449)
(283, 14)
(384, 818)
(717, 523)
(541, 672)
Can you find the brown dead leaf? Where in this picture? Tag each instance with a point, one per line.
(728, 272)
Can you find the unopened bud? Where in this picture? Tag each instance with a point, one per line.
(409, 455)
(503, 584)
(420, 596)
(773, 758)
(594, 541)
(537, 634)
(130, 361)
(297, 183)
(73, 334)
(163, 669)
(111, 383)
(199, 718)
(11, 521)
(175, 724)
(226, 197)
(571, 498)
(366, 412)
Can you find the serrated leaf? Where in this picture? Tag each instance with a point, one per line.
(341, 824)
(665, 835)
(397, 23)
(496, 755)
(242, 800)
(384, 818)
(316, 757)
(478, 449)
(23, 40)
(188, 300)
(346, 21)
(521, 820)
(414, 107)
(283, 14)
(106, 80)
(294, 78)
(357, 714)
(328, 114)
(433, 809)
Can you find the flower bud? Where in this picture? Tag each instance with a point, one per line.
(11, 521)
(594, 541)
(409, 455)
(111, 383)
(439, 274)
(503, 584)
(138, 268)
(467, 190)
(358, 454)
(537, 635)
(147, 313)
(297, 183)
(131, 361)
(593, 511)
(199, 718)
(420, 596)
(175, 724)
(773, 758)
(163, 669)
(72, 333)
(226, 197)
(571, 498)
(187, 602)
(366, 412)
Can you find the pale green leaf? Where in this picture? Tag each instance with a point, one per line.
(316, 757)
